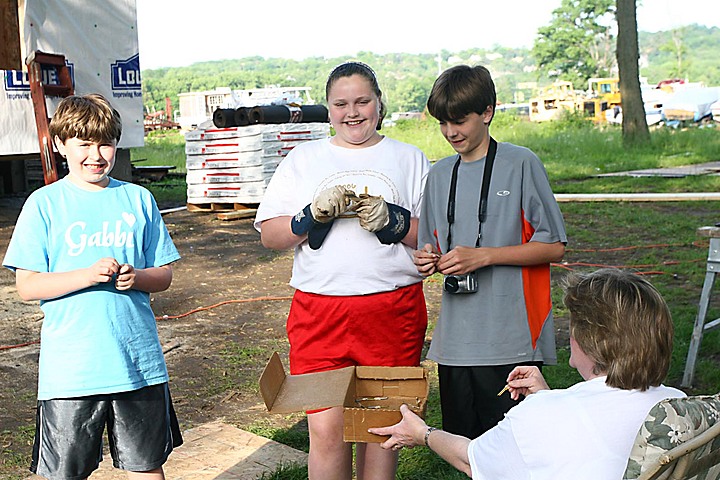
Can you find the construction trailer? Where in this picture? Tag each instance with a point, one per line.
(52, 48)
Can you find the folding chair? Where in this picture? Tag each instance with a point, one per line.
(679, 440)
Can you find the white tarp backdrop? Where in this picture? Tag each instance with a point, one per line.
(100, 43)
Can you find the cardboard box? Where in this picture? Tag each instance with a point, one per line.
(228, 160)
(254, 173)
(371, 396)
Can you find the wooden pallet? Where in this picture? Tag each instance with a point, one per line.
(220, 207)
(225, 211)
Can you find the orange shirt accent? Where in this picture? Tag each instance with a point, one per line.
(536, 288)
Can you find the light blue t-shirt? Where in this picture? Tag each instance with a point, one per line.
(99, 339)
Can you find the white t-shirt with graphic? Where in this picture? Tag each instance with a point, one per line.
(351, 260)
(99, 339)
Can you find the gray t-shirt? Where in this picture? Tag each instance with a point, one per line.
(495, 325)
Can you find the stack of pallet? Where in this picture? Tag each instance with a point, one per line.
(234, 165)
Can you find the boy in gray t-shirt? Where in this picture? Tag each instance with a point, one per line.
(491, 225)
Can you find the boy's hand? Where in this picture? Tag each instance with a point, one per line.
(125, 279)
(426, 260)
(103, 270)
(461, 260)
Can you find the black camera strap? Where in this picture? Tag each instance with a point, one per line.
(482, 207)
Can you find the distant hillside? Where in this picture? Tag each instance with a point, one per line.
(699, 57)
(406, 79)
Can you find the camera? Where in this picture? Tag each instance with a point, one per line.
(461, 283)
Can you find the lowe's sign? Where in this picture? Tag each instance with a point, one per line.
(126, 75)
(18, 81)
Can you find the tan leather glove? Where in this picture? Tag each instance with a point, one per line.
(372, 212)
(329, 204)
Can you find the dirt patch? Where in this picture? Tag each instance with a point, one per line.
(220, 321)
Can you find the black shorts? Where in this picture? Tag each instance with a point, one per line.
(141, 424)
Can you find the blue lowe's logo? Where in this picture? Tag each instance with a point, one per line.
(18, 81)
(126, 74)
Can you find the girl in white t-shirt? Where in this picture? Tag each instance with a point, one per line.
(349, 205)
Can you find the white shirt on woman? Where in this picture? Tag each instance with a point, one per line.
(584, 432)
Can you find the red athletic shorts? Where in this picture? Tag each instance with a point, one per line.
(381, 329)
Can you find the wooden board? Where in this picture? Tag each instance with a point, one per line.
(237, 214)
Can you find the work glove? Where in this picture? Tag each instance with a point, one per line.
(330, 204)
(372, 212)
(388, 221)
(317, 217)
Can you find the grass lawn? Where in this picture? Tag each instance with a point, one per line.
(656, 239)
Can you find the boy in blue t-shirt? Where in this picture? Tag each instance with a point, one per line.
(92, 249)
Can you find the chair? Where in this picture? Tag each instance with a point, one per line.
(679, 440)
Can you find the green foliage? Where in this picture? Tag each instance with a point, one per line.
(424, 134)
(561, 375)
(406, 79)
(15, 454)
(161, 148)
(572, 149)
(676, 47)
(576, 45)
(294, 436)
(695, 46)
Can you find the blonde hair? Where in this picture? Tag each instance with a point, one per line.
(87, 117)
(623, 324)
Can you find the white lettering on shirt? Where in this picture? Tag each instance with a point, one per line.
(77, 239)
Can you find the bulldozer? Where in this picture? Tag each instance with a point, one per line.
(601, 99)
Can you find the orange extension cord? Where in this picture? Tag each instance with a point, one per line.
(169, 317)
(564, 265)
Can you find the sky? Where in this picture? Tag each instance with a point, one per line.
(173, 34)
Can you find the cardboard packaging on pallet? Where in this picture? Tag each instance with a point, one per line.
(370, 396)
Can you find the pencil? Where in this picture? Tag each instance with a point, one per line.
(505, 389)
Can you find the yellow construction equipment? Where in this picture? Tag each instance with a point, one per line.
(552, 100)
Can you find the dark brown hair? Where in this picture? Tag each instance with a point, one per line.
(461, 90)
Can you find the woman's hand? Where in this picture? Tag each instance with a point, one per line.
(409, 432)
(525, 380)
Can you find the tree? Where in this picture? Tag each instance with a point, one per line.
(634, 124)
(576, 45)
(676, 47)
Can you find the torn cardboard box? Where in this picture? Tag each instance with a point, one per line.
(371, 396)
